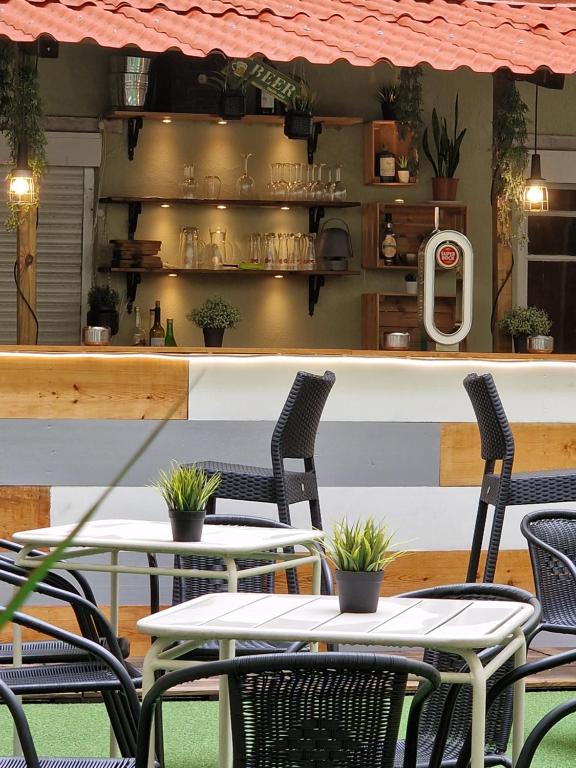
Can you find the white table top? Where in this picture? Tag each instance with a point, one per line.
(398, 621)
(148, 536)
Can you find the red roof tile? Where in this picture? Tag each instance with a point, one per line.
(474, 33)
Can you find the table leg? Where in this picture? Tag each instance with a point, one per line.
(232, 572)
(114, 751)
(478, 683)
(227, 651)
(519, 702)
(316, 574)
(17, 661)
(147, 682)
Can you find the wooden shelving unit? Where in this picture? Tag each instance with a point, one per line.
(195, 117)
(385, 312)
(235, 271)
(412, 223)
(384, 134)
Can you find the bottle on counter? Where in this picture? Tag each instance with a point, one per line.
(138, 337)
(157, 332)
(385, 165)
(150, 324)
(169, 340)
(388, 247)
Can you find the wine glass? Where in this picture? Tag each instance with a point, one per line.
(245, 185)
(339, 186)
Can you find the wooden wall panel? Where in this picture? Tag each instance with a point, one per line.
(538, 446)
(89, 387)
(22, 508)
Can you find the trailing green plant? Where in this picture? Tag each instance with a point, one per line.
(447, 148)
(409, 104)
(509, 158)
(103, 297)
(216, 312)
(388, 94)
(186, 488)
(532, 321)
(21, 117)
(360, 546)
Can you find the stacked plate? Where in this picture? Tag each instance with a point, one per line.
(136, 253)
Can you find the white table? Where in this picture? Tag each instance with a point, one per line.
(458, 626)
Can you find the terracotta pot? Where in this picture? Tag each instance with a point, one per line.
(444, 189)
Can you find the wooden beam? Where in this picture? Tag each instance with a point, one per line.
(26, 324)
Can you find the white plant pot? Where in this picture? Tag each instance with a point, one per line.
(411, 287)
(404, 177)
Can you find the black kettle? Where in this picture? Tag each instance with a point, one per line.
(334, 246)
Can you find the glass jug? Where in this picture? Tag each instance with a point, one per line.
(270, 252)
(190, 245)
(218, 249)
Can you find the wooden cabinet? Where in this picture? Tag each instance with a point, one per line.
(384, 134)
(412, 223)
(385, 312)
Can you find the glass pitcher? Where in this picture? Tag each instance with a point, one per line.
(190, 245)
(218, 248)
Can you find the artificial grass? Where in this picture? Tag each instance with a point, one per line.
(192, 731)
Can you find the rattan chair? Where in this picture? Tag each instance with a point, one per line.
(294, 437)
(447, 714)
(319, 710)
(503, 489)
(551, 536)
(124, 713)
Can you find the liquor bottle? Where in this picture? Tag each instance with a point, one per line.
(385, 165)
(150, 324)
(388, 248)
(157, 333)
(138, 337)
(265, 103)
(169, 340)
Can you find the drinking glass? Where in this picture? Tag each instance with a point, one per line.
(218, 247)
(212, 186)
(282, 250)
(245, 185)
(281, 187)
(255, 255)
(189, 184)
(189, 250)
(270, 253)
(339, 186)
(309, 251)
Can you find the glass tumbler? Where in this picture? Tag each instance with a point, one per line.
(189, 251)
(212, 186)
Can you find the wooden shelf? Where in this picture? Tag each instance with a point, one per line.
(194, 117)
(229, 202)
(392, 183)
(235, 271)
(384, 134)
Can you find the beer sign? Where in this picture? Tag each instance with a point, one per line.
(447, 255)
(266, 78)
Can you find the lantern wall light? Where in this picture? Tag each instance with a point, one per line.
(535, 190)
(21, 183)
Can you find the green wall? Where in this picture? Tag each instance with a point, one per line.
(274, 311)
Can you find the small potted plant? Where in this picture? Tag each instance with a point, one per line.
(232, 92)
(214, 316)
(388, 97)
(522, 322)
(103, 302)
(186, 490)
(403, 166)
(444, 185)
(411, 283)
(298, 121)
(360, 552)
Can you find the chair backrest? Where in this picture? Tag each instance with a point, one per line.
(186, 588)
(551, 536)
(448, 711)
(294, 435)
(12, 703)
(318, 709)
(497, 441)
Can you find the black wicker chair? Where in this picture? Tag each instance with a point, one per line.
(187, 588)
(503, 489)
(551, 536)
(294, 437)
(320, 709)
(447, 714)
(124, 710)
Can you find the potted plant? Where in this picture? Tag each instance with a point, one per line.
(360, 552)
(388, 96)
(232, 104)
(522, 322)
(411, 283)
(186, 490)
(403, 165)
(214, 316)
(103, 302)
(444, 185)
(298, 121)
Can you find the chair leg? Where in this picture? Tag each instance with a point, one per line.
(315, 516)
(494, 543)
(284, 513)
(476, 548)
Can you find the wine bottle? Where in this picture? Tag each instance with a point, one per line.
(138, 337)
(388, 248)
(157, 333)
(169, 340)
(385, 165)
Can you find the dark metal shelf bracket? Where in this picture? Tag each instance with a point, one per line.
(315, 213)
(134, 211)
(313, 141)
(133, 280)
(315, 283)
(134, 127)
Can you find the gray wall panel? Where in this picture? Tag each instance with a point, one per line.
(90, 453)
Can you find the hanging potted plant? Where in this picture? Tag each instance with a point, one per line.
(298, 121)
(214, 316)
(444, 185)
(186, 490)
(103, 302)
(388, 97)
(360, 552)
(522, 322)
(232, 102)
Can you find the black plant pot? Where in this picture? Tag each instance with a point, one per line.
(213, 337)
(232, 105)
(103, 317)
(520, 342)
(186, 526)
(298, 125)
(388, 111)
(358, 591)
